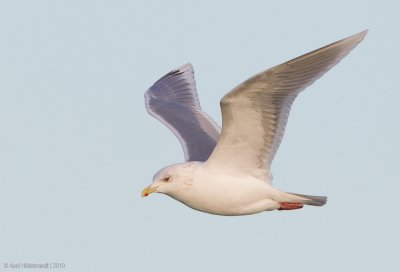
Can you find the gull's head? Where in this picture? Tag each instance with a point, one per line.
(172, 179)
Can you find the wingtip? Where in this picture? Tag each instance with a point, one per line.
(347, 44)
(363, 33)
(186, 66)
(359, 36)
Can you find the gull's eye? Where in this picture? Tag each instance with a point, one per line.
(166, 179)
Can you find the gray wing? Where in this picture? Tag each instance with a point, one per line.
(173, 100)
(254, 114)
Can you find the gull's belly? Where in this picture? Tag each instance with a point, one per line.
(232, 196)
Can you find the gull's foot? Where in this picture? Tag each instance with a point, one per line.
(290, 206)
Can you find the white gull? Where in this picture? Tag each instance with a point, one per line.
(228, 172)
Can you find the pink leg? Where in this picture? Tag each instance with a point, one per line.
(290, 206)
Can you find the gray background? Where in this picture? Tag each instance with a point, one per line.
(77, 146)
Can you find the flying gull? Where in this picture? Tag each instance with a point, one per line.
(227, 172)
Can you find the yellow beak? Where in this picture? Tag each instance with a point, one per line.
(148, 191)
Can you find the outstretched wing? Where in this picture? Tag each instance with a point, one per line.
(254, 114)
(173, 100)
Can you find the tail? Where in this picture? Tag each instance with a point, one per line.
(313, 200)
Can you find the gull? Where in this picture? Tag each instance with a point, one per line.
(227, 172)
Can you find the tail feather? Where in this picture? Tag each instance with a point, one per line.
(313, 200)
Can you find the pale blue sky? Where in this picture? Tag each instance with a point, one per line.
(77, 146)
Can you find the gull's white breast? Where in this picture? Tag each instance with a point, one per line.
(225, 194)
